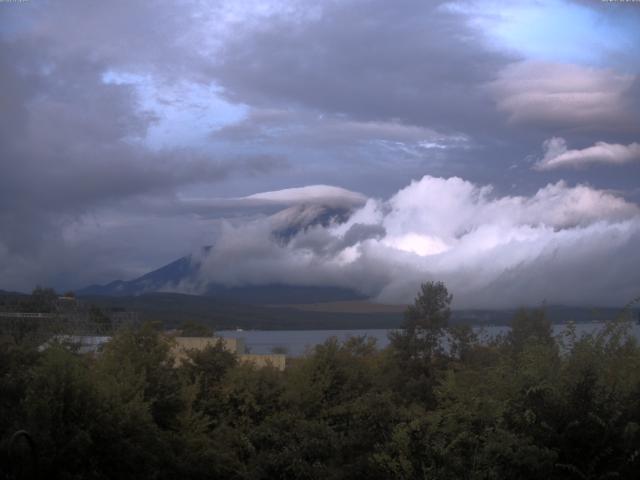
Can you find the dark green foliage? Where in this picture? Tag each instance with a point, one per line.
(189, 328)
(438, 403)
(424, 323)
(100, 319)
(431, 310)
(140, 358)
(204, 371)
(41, 300)
(529, 327)
(417, 347)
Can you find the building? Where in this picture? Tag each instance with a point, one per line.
(275, 360)
(234, 345)
(183, 344)
(93, 344)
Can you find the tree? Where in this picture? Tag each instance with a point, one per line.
(99, 319)
(42, 300)
(205, 370)
(142, 358)
(530, 328)
(189, 328)
(431, 308)
(424, 321)
(415, 346)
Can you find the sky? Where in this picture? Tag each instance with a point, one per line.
(494, 147)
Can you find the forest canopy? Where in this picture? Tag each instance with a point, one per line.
(439, 402)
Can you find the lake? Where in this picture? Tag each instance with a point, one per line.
(296, 342)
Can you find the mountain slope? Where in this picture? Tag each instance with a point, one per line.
(178, 275)
(164, 278)
(170, 276)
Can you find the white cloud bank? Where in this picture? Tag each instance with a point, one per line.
(557, 155)
(569, 245)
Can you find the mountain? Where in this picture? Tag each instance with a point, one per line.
(285, 224)
(170, 276)
(165, 278)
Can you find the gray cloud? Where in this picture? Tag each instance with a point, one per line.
(561, 96)
(260, 203)
(423, 68)
(306, 129)
(72, 145)
(355, 91)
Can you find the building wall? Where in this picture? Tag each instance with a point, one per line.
(274, 360)
(184, 344)
(93, 344)
(234, 345)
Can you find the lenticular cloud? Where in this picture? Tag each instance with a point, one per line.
(569, 245)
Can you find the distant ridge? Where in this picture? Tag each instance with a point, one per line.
(169, 277)
(164, 278)
(177, 276)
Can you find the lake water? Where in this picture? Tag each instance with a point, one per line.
(297, 342)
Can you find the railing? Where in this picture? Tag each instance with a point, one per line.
(20, 464)
(40, 326)
(27, 315)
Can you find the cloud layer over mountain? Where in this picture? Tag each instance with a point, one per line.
(492, 250)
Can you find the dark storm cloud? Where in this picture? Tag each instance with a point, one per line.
(381, 86)
(72, 144)
(376, 60)
(151, 36)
